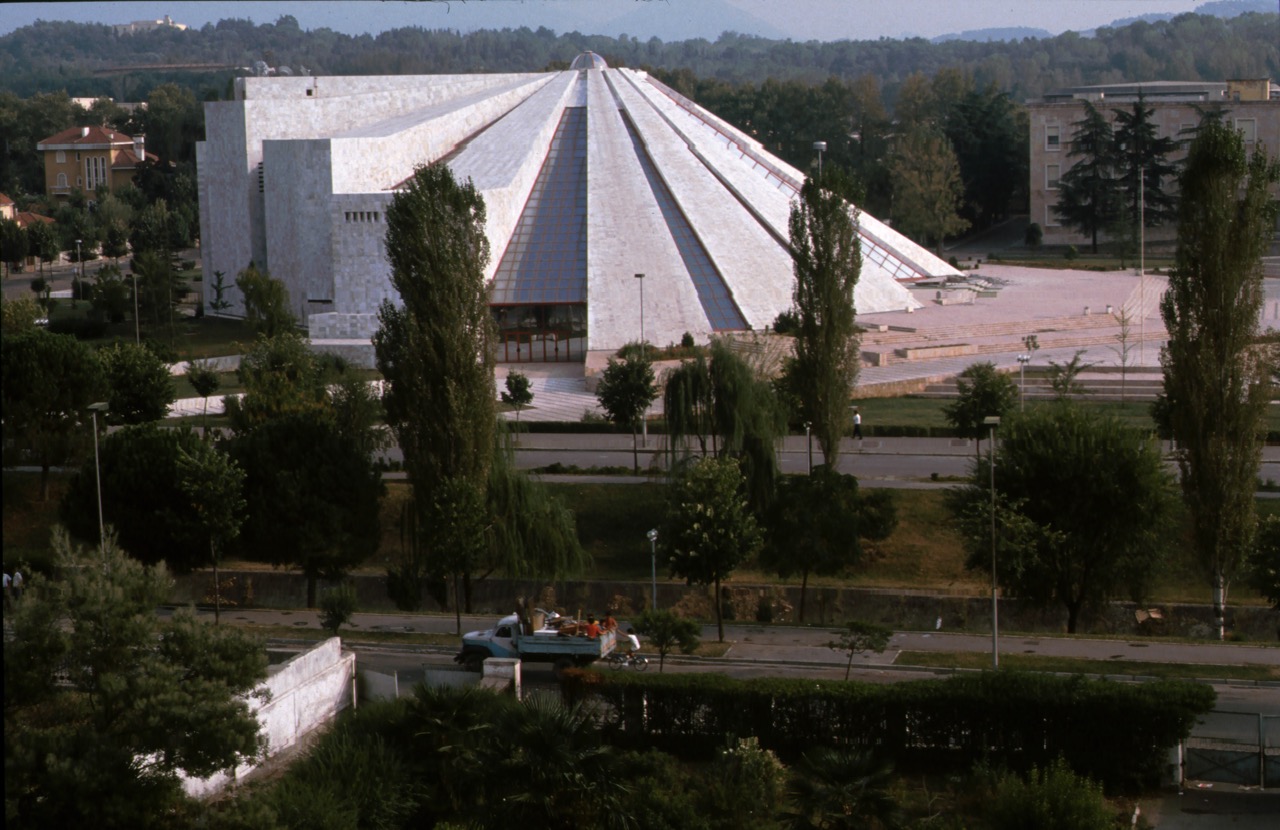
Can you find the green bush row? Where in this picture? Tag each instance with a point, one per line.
(1116, 733)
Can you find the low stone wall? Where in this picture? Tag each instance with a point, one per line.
(823, 605)
(305, 693)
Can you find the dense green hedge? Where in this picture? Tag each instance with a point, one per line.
(1115, 733)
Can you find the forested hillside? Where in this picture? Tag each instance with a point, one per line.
(48, 57)
(883, 107)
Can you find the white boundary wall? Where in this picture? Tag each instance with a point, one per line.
(306, 692)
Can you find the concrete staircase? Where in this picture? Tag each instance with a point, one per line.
(1135, 385)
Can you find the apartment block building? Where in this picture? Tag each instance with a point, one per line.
(1251, 106)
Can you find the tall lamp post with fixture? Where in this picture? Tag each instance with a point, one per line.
(94, 409)
(993, 421)
(644, 419)
(1023, 360)
(819, 147)
(653, 561)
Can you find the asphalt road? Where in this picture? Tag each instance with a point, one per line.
(881, 462)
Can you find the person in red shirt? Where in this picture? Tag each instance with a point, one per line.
(609, 624)
(593, 628)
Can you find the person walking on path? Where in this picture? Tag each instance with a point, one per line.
(8, 591)
(17, 584)
(857, 423)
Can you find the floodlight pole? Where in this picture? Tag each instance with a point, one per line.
(993, 421)
(819, 147)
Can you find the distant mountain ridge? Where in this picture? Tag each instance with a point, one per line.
(1216, 8)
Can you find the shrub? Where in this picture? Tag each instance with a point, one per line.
(1034, 235)
(1071, 252)
(336, 607)
(1053, 798)
(686, 341)
(787, 322)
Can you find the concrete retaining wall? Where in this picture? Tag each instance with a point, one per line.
(306, 692)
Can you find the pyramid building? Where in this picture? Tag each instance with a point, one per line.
(591, 176)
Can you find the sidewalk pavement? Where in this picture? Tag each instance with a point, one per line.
(807, 645)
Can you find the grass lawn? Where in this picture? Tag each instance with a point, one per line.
(1065, 665)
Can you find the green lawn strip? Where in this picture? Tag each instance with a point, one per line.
(1071, 665)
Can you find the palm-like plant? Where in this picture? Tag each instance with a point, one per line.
(841, 789)
(553, 772)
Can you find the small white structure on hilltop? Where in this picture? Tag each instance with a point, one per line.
(591, 176)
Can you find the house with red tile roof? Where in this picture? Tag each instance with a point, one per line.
(83, 158)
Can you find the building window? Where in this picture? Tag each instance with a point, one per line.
(1052, 137)
(1186, 132)
(77, 156)
(1052, 172)
(1051, 218)
(262, 179)
(62, 180)
(61, 157)
(1248, 128)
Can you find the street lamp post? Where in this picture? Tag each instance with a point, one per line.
(644, 420)
(819, 147)
(993, 421)
(94, 409)
(137, 338)
(808, 439)
(1142, 266)
(653, 561)
(80, 260)
(1023, 360)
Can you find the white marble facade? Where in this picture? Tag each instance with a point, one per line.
(296, 175)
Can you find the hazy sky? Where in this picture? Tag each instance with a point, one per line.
(666, 19)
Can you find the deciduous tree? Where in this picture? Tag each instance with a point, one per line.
(981, 392)
(314, 496)
(666, 632)
(214, 484)
(266, 302)
(625, 391)
(817, 523)
(826, 256)
(518, 393)
(1212, 371)
(1092, 503)
(927, 188)
(48, 383)
(142, 497)
(139, 383)
(709, 529)
(725, 400)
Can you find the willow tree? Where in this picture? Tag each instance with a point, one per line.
(435, 350)
(725, 401)
(826, 256)
(1215, 378)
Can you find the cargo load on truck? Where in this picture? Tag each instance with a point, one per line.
(541, 637)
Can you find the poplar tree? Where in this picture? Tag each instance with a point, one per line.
(1215, 375)
(826, 254)
(435, 351)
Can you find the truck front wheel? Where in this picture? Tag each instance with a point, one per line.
(474, 661)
